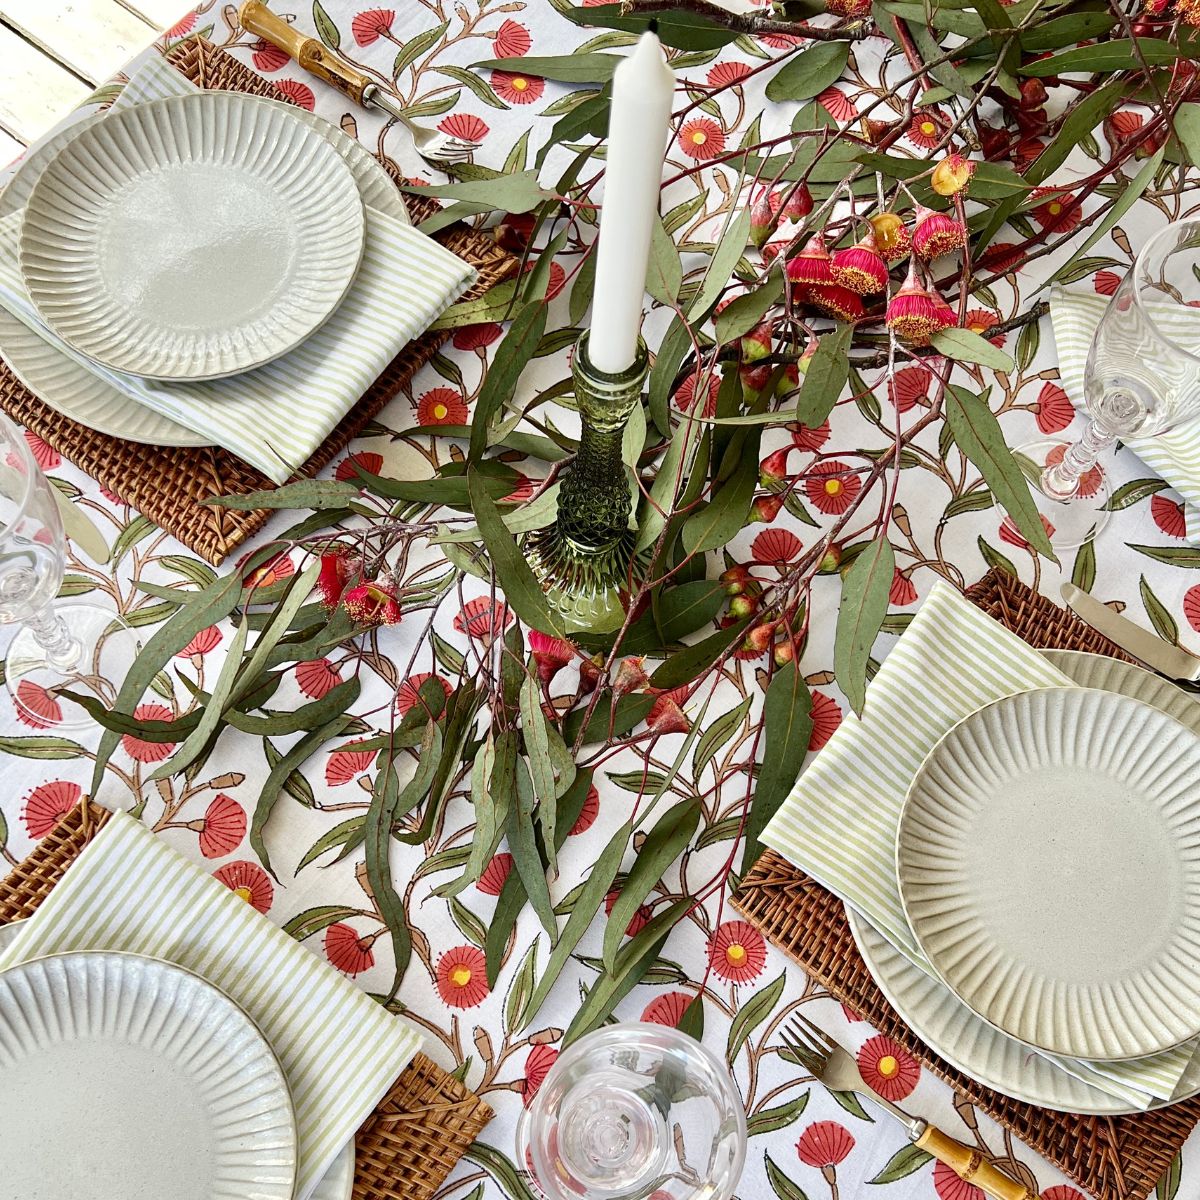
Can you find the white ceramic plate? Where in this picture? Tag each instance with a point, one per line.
(177, 1090)
(82, 395)
(1048, 856)
(338, 1182)
(192, 237)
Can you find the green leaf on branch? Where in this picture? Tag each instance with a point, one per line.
(501, 381)
(677, 28)
(828, 371)
(327, 31)
(684, 665)
(964, 345)
(810, 72)
(865, 589)
(523, 842)
(743, 313)
(41, 747)
(725, 257)
(781, 1184)
(517, 193)
(664, 275)
(977, 434)
(1106, 56)
(714, 524)
(564, 68)
(306, 493)
(787, 728)
(417, 45)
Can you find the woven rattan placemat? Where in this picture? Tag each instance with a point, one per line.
(1110, 1157)
(418, 1131)
(170, 485)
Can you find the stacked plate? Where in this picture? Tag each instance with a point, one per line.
(1029, 842)
(187, 238)
(169, 1087)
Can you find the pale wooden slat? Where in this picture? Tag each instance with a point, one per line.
(92, 38)
(35, 91)
(10, 148)
(162, 14)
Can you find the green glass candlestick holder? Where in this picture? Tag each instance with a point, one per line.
(585, 561)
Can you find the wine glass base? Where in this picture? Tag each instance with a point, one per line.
(108, 648)
(1068, 523)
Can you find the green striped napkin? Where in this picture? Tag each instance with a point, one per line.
(340, 1050)
(1175, 455)
(839, 823)
(275, 417)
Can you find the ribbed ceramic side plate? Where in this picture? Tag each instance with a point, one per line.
(1048, 856)
(81, 394)
(166, 1086)
(192, 237)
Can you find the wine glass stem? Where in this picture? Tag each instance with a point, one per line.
(52, 635)
(1061, 480)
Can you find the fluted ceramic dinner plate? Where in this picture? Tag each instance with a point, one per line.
(192, 237)
(83, 395)
(126, 1078)
(338, 1182)
(1048, 857)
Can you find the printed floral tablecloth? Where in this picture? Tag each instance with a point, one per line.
(802, 1142)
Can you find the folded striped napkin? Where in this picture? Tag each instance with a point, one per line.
(339, 1049)
(839, 823)
(276, 416)
(1173, 456)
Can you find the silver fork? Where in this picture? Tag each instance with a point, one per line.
(834, 1067)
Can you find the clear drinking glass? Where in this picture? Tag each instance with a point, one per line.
(78, 646)
(1142, 379)
(635, 1111)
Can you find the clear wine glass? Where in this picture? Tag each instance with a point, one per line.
(77, 646)
(635, 1111)
(1142, 379)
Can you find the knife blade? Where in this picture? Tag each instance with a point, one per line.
(1145, 646)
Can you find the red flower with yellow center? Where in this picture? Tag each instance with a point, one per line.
(280, 567)
(727, 74)
(925, 132)
(409, 692)
(442, 406)
(517, 89)
(888, 1068)
(496, 874)
(701, 138)
(1061, 213)
(249, 881)
(1014, 537)
(980, 320)
(737, 952)
(588, 813)
(830, 486)
(511, 40)
(462, 977)
(1168, 516)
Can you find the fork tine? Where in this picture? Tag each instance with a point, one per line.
(798, 1043)
(822, 1039)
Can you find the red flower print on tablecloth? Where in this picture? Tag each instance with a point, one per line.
(222, 827)
(824, 1144)
(462, 977)
(45, 455)
(517, 89)
(299, 93)
(1168, 516)
(248, 880)
(441, 406)
(1002, 257)
(888, 1068)
(727, 74)
(949, 1186)
(639, 920)
(272, 571)
(737, 952)
(1014, 537)
(181, 28)
(347, 763)
(776, 546)
(809, 438)
(667, 1009)
(138, 748)
(909, 387)
(349, 953)
(980, 320)
(779, 41)
(268, 57)
(826, 717)
(1059, 213)
(1054, 411)
(476, 337)
(495, 874)
(902, 592)
(369, 460)
(1062, 1191)
(371, 24)
(588, 813)
(205, 641)
(685, 396)
(830, 487)
(37, 708)
(537, 1067)
(1123, 125)
(481, 619)
(1191, 606)
(924, 131)
(47, 804)
(1106, 282)
(317, 678)
(511, 40)
(837, 104)
(1092, 480)
(701, 138)
(409, 692)
(522, 491)
(465, 126)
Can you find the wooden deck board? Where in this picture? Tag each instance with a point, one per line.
(35, 91)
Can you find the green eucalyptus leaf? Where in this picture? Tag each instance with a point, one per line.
(306, 493)
(327, 31)
(964, 345)
(810, 72)
(825, 378)
(664, 275)
(527, 859)
(313, 920)
(781, 1184)
(745, 312)
(725, 257)
(864, 604)
(681, 29)
(501, 381)
(41, 747)
(565, 68)
(1117, 55)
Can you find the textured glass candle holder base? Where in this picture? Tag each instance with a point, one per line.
(585, 562)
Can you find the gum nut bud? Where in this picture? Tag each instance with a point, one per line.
(891, 235)
(754, 379)
(756, 344)
(765, 509)
(590, 671)
(789, 379)
(762, 218)
(783, 653)
(775, 247)
(631, 675)
(832, 560)
(993, 141)
(875, 131)
(773, 469)
(743, 606)
(952, 175)
(1033, 93)
(759, 637)
(798, 205)
(735, 580)
(639, 840)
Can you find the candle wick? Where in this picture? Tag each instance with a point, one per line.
(653, 26)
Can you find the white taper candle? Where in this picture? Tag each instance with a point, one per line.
(643, 86)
